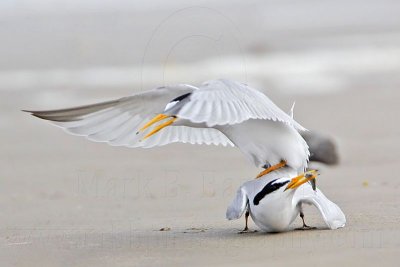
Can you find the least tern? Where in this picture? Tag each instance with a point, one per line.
(219, 112)
(276, 199)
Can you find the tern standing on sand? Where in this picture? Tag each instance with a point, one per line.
(276, 199)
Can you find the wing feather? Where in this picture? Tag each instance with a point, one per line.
(217, 102)
(331, 213)
(232, 103)
(238, 205)
(116, 122)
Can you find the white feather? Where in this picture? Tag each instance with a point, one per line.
(238, 206)
(333, 216)
(238, 102)
(219, 112)
(291, 113)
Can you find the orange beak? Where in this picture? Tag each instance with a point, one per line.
(301, 179)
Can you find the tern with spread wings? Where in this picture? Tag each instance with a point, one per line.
(219, 112)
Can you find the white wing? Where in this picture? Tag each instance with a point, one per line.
(221, 102)
(331, 213)
(116, 122)
(238, 205)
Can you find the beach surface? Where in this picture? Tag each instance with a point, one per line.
(66, 201)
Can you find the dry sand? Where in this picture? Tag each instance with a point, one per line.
(66, 201)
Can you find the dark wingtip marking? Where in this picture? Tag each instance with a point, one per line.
(74, 113)
(37, 115)
(181, 97)
(40, 116)
(52, 118)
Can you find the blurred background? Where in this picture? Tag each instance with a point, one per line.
(339, 60)
(296, 46)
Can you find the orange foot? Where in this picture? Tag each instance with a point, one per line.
(272, 168)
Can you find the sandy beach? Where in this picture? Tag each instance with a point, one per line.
(65, 201)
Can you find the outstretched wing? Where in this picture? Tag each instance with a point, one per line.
(331, 213)
(238, 205)
(221, 102)
(116, 122)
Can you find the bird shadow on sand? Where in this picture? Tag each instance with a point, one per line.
(187, 237)
(164, 237)
(216, 233)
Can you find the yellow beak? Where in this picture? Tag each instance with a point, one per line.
(154, 120)
(159, 128)
(272, 168)
(301, 179)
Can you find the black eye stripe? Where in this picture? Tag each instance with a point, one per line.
(269, 188)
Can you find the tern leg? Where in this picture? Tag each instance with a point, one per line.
(305, 226)
(272, 168)
(246, 228)
(246, 217)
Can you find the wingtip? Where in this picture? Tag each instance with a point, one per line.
(35, 114)
(38, 116)
(32, 113)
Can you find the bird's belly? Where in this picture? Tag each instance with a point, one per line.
(268, 142)
(274, 216)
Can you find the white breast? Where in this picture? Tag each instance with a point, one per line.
(276, 211)
(266, 141)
